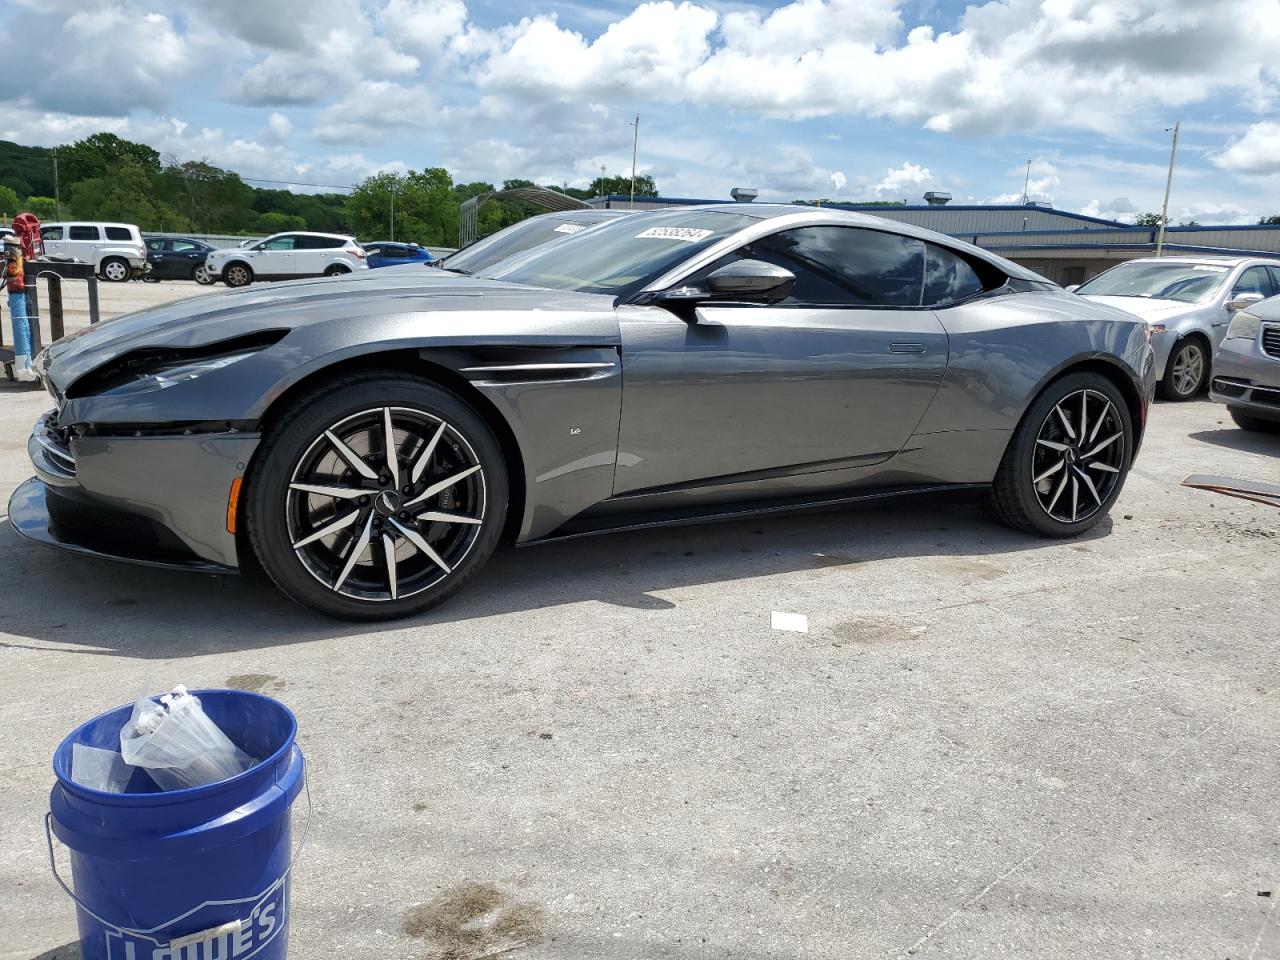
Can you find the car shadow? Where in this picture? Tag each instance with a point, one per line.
(96, 606)
(1245, 441)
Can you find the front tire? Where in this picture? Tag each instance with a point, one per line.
(237, 275)
(1187, 370)
(376, 496)
(1247, 421)
(116, 269)
(1068, 459)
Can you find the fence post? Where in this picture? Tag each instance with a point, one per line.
(93, 299)
(57, 329)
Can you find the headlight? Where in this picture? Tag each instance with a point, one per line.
(171, 376)
(1243, 326)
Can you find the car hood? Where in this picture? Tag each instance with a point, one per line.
(214, 318)
(1150, 309)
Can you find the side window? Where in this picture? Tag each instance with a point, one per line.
(183, 246)
(119, 233)
(947, 277)
(1253, 280)
(279, 243)
(51, 233)
(845, 266)
(332, 243)
(81, 231)
(1275, 278)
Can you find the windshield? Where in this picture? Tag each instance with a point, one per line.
(514, 239)
(621, 257)
(1184, 282)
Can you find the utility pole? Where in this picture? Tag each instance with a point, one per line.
(1026, 186)
(393, 213)
(57, 192)
(635, 143)
(1168, 184)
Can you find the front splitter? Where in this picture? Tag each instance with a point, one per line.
(29, 518)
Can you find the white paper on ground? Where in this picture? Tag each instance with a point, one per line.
(795, 622)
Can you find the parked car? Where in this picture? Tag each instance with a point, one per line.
(115, 249)
(688, 363)
(177, 258)
(1188, 302)
(524, 235)
(287, 256)
(386, 253)
(1246, 368)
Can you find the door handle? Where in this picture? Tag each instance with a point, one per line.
(903, 347)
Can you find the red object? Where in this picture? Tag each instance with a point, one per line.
(27, 227)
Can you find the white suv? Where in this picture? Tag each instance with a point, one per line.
(114, 249)
(287, 256)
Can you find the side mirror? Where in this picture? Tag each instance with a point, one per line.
(1071, 287)
(1243, 300)
(752, 280)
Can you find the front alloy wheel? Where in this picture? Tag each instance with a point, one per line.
(237, 275)
(377, 499)
(1186, 372)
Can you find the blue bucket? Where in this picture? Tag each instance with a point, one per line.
(195, 874)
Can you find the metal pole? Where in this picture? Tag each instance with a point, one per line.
(635, 142)
(1026, 185)
(1168, 183)
(393, 214)
(57, 192)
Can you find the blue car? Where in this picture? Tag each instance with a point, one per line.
(383, 253)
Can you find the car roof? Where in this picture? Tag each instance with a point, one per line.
(572, 216)
(1211, 259)
(88, 223)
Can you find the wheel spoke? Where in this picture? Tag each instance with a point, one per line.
(358, 548)
(1105, 467)
(1075, 498)
(338, 493)
(389, 442)
(1066, 424)
(1103, 445)
(421, 463)
(1062, 485)
(389, 551)
(443, 517)
(1084, 413)
(349, 455)
(339, 524)
(1051, 471)
(1088, 484)
(1101, 420)
(444, 484)
(1052, 445)
(416, 539)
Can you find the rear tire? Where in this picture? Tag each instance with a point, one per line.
(116, 269)
(336, 270)
(342, 531)
(237, 275)
(1067, 461)
(1186, 372)
(1246, 421)
(202, 276)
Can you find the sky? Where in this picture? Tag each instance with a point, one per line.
(845, 99)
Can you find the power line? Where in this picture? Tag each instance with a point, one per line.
(300, 183)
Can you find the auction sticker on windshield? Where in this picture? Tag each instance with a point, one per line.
(1205, 268)
(570, 228)
(688, 234)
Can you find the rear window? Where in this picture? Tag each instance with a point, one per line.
(948, 277)
(119, 233)
(82, 232)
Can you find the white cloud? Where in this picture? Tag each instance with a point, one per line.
(371, 110)
(901, 181)
(839, 180)
(279, 127)
(1120, 207)
(1257, 152)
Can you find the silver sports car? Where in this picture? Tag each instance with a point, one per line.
(370, 439)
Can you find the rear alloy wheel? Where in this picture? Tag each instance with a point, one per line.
(1187, 370)
(336, 270)
(202, 276)
(115, 269)
(376, 498)
(1068, 459)
(237, 275)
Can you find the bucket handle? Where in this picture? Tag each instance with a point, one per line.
(53, 864)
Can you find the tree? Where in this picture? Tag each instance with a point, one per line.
(1147, 220)
(426, 207)
(212, 199)
(9, 202)
(1190, 223)
(42, 207)
(1269, 221)
(102, 153)
(621, 186)
(276, 222)
(124, 195)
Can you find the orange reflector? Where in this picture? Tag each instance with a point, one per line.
(233, 501)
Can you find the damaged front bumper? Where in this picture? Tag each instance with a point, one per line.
(153, 496)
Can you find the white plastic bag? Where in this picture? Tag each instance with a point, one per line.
(99, 769)
(178, 744)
